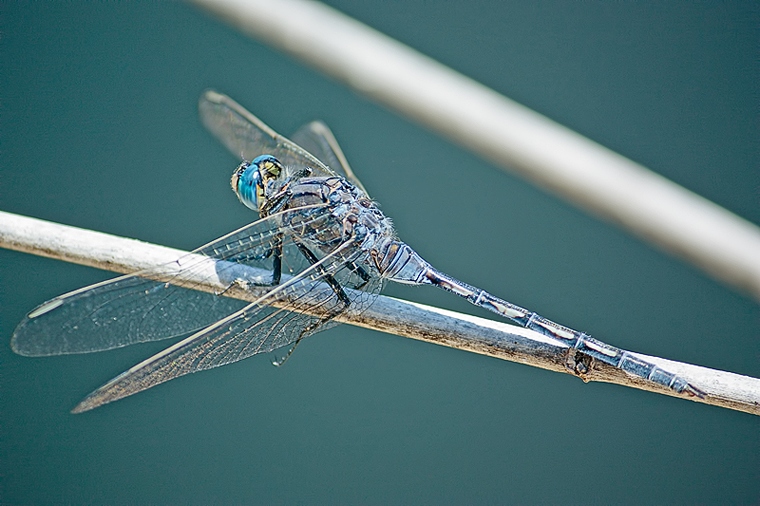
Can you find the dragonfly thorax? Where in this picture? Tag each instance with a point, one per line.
(260, 186)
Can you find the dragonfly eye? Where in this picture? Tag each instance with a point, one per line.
(248, 185)
(269, 167)
(257, 180)
(251, 179)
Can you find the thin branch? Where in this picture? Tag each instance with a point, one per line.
(403, 318)
(515, 138)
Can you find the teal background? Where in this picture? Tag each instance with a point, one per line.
(99, 129)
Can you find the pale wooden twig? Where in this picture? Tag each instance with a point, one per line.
(403, 318)
(514, 137)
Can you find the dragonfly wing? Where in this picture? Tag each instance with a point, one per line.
(116, 313)
(303, 305)
(132, 309)
(247, 137)
(318, 139)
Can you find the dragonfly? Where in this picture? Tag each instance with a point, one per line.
(321, 249)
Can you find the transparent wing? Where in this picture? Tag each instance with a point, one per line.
(303, 305)
(247, 137)
(318, 139)
(131, 309)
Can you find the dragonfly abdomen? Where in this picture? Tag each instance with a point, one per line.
(400, 263)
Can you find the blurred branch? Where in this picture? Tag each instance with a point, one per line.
(515, 138)
(407, 319)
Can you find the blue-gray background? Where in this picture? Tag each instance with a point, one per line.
(99, 130)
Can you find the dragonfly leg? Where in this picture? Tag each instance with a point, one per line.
(329, 278)
(278, 362)
(359, 270)
(277, 201)
(277, 260)
(309, 329)
(276, 253)
(337, 289)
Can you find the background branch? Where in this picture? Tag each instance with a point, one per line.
(512, 136)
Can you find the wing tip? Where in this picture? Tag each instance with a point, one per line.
(81, 408)
(24, 346)
(99, 397)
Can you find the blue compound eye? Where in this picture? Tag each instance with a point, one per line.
(269, 166)
(250, 180)
(247, 184)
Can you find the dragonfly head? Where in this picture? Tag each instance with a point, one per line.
(251, 180)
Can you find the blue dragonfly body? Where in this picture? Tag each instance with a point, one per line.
(326, 249)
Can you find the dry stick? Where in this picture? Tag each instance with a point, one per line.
(387, 314)
(514, 137)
